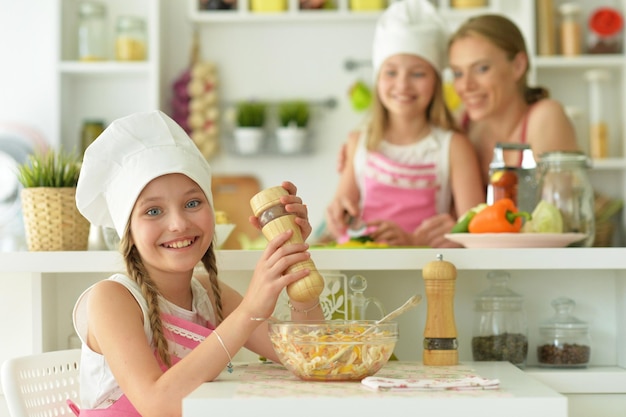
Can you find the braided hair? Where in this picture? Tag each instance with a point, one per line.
(138, 273)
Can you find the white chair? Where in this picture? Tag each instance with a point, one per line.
(39, 385)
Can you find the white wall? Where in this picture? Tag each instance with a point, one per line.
(268, 61)
(27, 63)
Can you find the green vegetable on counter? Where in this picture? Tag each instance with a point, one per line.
(546, 218)
(462, 225)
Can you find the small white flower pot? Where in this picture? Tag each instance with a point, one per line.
(291, 139)
(248, 140)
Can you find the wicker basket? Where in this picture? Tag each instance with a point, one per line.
(52, 221)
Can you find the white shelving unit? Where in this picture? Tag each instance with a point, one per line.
(45, 284)
(108, 89)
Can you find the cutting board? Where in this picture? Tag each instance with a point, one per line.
(232, 194)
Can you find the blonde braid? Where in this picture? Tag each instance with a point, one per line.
(138, 273)
(210, 264)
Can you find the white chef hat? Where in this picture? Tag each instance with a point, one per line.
(131, 152)
(411, 27)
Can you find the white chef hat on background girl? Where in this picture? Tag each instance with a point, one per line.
(131, 152)
(411, 27)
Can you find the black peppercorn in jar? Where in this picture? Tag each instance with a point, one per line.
(565, 340)
(500, 327)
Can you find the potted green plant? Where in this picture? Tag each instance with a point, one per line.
(249, 131)
(52, 221)
(293, 119)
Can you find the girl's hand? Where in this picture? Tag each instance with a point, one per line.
(270, 276)
(293, 204)
(430, 232)
(390, 233)
(337, 213)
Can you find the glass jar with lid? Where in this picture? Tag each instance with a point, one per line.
(564, 182)
(92, 34)
(565, 340)
(130, 39)
(500, 327)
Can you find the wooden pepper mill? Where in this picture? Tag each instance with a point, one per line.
(440, 343)
(274, 220)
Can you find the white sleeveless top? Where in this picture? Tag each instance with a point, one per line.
(434, 148)
(98, 387)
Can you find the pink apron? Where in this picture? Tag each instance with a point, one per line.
(182, 336)
(406, 194)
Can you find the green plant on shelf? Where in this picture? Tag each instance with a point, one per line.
(251, 114)
(50, 169)
(294, 113)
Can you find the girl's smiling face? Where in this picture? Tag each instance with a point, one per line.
(484, 77)
(406, 84)
(172, 224)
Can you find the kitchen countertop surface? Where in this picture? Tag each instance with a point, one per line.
(257, 389)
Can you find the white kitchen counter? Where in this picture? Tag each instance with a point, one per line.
(270, 390)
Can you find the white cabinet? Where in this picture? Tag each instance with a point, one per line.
(107, 89)
(38, 290)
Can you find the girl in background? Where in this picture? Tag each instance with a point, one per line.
(408, 174)
(154, 334)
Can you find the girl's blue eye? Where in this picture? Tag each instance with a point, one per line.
(418, 74)
(153, 212)
(193, 204)
(482, 69)
(457, 74)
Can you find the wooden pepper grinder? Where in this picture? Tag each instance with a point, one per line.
(440, 343)
(274, 220)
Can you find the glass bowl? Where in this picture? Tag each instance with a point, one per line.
(333, 350)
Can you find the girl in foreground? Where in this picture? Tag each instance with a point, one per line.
(154, 334)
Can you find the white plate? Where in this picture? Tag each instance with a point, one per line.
(222, 231)
(515, 240)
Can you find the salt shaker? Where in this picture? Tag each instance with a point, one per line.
(274, 220)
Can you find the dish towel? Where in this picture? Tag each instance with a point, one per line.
(460, 384)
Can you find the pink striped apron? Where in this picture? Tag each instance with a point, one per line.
(182, 336)
(403, 193)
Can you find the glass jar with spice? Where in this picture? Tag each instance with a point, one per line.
(500, 327)
(92, 128)
(565, 340)
(570, 29)
(605, 31)
(564, 182)
(92, 34)
(130, 39)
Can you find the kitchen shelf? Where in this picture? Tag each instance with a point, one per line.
(344, 259)
(106, 67)
(44, 274)
(579, 62)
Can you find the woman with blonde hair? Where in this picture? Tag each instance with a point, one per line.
(490, 64)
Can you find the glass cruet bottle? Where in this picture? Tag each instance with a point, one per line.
(564, 182)
(500, 327)
(359, 303)
(565, 340)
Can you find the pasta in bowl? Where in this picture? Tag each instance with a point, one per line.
(333, 350)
